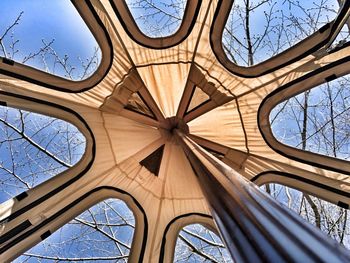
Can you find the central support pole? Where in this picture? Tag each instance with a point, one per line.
(255, 227)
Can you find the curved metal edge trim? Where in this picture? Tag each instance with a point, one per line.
(248, 71)
(179, 36)
(67, 183)
(294, 156)
(76, 202)
(97, 76)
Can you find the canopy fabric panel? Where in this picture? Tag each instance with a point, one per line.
(198, 97)
(234, 122)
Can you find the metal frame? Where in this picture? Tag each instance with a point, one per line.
(254, 227)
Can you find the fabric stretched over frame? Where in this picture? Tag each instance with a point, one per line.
(234, 122)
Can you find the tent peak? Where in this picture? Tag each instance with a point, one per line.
(173, 123)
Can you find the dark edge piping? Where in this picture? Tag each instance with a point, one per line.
(21, 196)
(144, 114)
(288, 85)
(160, 161)
(343, 205)
(15, 231)
(45, 235)
(242, 124)
(330, 78)
(141, 113)
(270, 70)
(145, 102)
(336, 49)
(162, 248)
(109, 41)
(69, 182)
(303, 179)
(71, 205)
(324, 28)
(196, 139)
(54, 87)
(198, 106)
(8, 61)
(208, 149)
(189, 101)
(189, 29)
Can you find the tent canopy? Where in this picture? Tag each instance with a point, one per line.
(143, 90)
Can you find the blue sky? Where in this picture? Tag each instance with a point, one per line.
(288, 25)
(54, 19)
(59, 20)
(153, 23)
(31, 165)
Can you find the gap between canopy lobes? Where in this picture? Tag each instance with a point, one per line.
(162, 91)
(168, 97)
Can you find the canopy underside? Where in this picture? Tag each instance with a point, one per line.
(228, 119)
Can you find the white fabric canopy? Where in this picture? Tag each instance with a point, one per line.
(235, 123)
